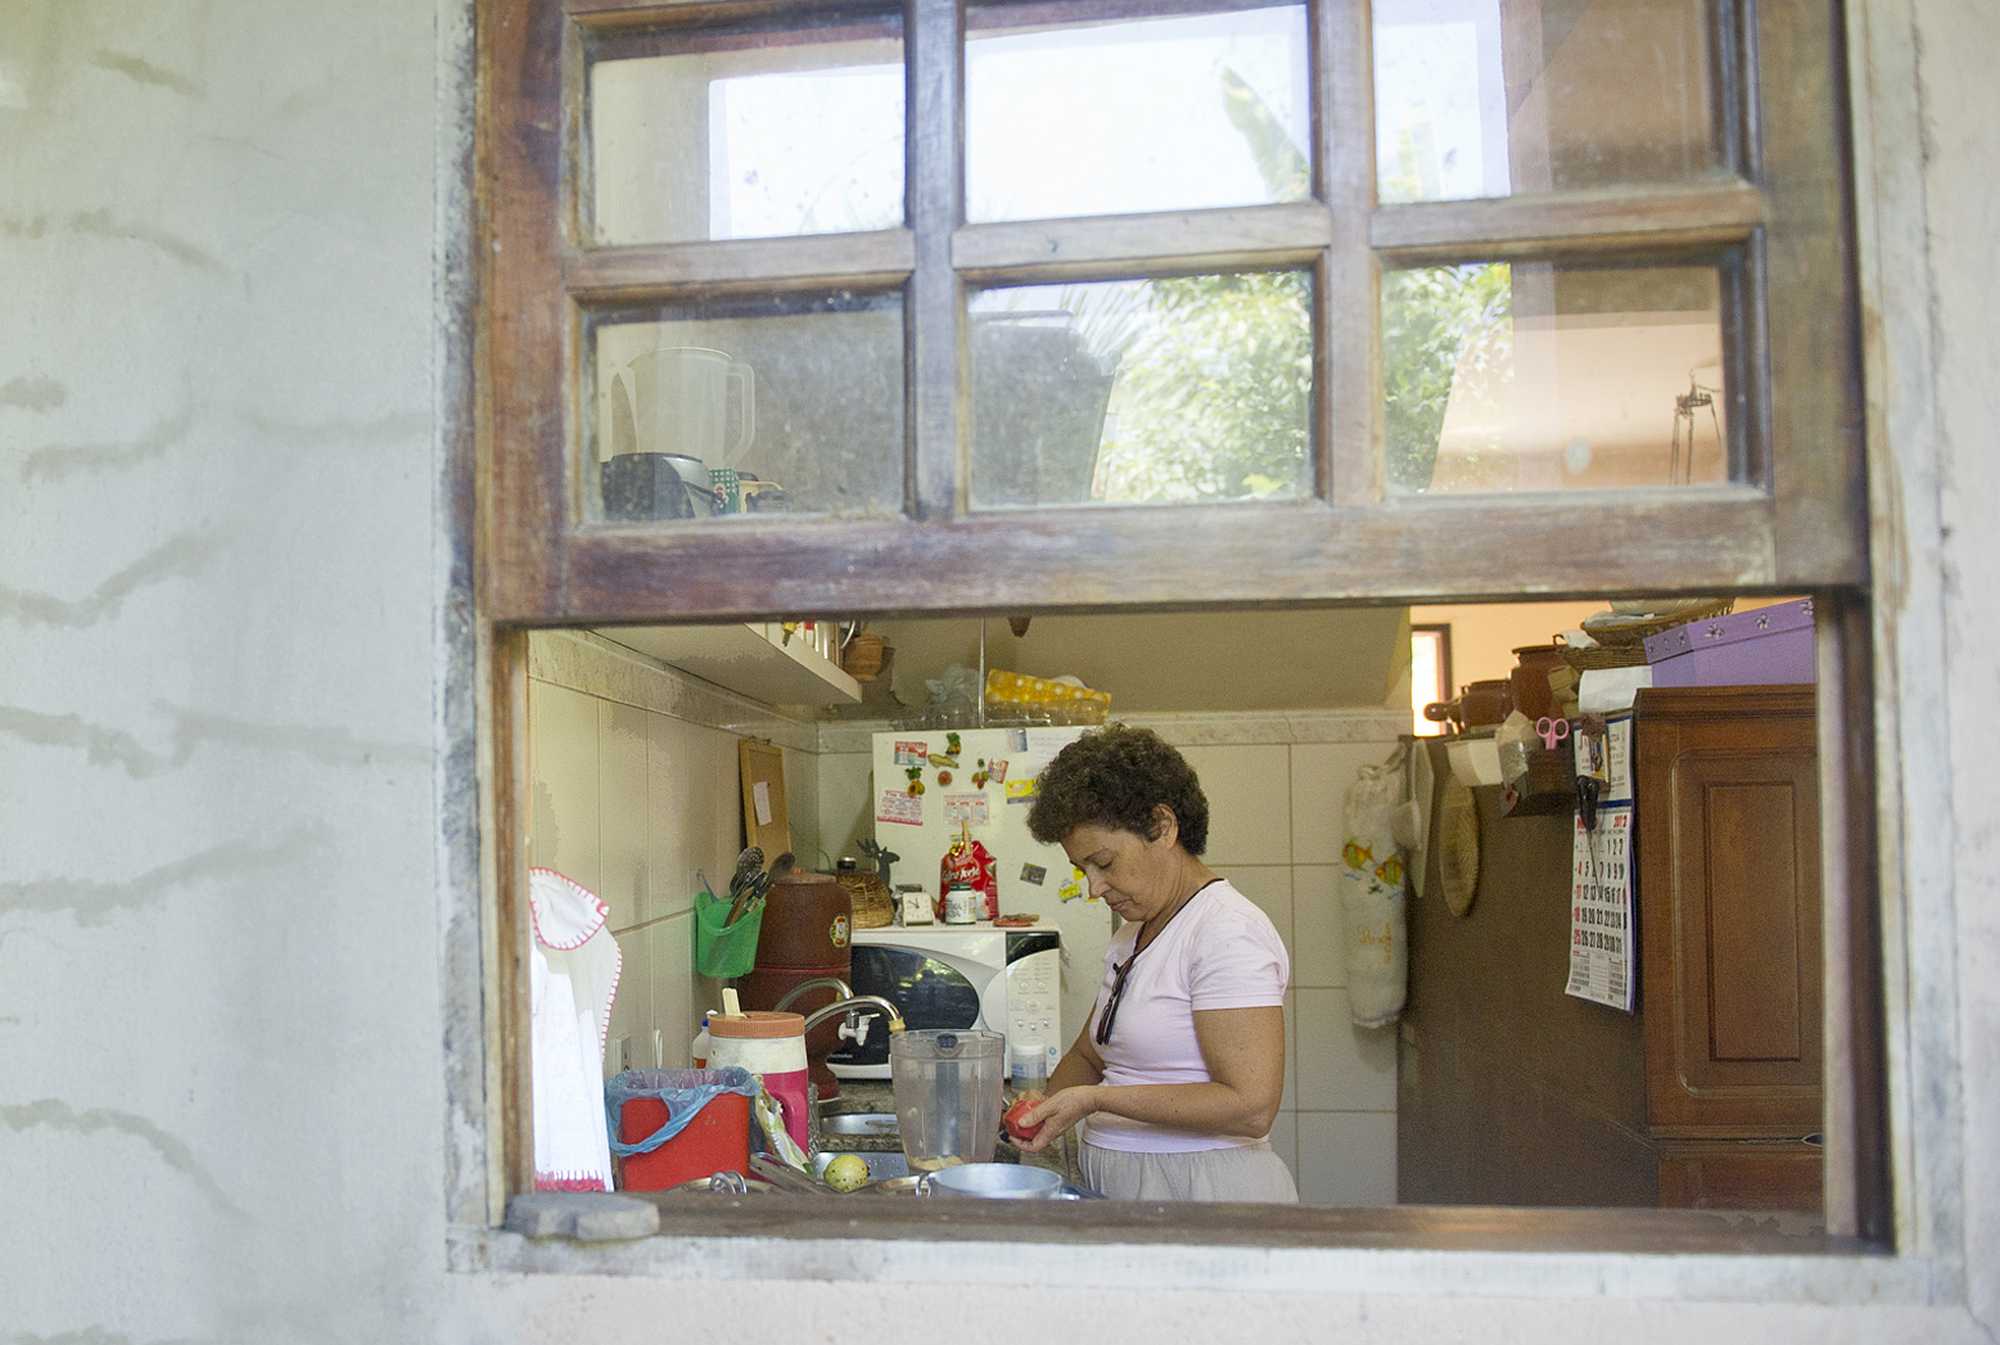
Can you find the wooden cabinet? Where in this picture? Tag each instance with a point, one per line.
(1730, 939)
(1511, 1092)
(1740, 1175)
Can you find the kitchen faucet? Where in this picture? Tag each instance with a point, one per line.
(790, 997)
(855, 1029)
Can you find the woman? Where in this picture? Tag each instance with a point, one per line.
(1180, 1070)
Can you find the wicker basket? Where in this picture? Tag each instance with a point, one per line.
(870, 900)
(1626, 647)
(1599, 657)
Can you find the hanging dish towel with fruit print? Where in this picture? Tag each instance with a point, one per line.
(1371, 897)
(573, 969)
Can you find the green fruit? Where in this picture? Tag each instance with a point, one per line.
(847, 1172)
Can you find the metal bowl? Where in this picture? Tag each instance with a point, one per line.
(994, 1181)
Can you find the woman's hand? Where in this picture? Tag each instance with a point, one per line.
(1056, 1113)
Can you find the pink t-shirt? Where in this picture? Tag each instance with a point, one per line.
(1219, 952)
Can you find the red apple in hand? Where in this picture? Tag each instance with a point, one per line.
(1024, 1104)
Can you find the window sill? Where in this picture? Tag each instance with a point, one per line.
(1649, 1254)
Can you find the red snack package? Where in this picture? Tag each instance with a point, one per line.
(969, 864)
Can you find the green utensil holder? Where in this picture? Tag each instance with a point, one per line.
(723, 950)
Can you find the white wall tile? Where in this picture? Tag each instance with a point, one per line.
(720, 779)
(671, 953)
(846, 810)
(1285, 1140)
(1342, 1067)
(679, 805)
(562, 747)
(1249, 818)
(622, 814)
(1318, 958)
(1270, 887)
(632, 1010)
(1321, 773)
(1347, 1158)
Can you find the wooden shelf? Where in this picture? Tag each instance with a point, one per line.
(750, 658)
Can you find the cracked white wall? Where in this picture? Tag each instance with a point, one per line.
(221, 1061)
(217, 931)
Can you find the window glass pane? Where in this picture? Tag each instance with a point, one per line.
(748, 140)
(1106, 118)
(1506, 97)
(1544, 376)
(750, 407)
(1430, 676)
(1174, 390)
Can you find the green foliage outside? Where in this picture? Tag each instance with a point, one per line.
(1440, 325)
(1214, 391)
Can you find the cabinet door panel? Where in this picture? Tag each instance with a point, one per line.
(1753, 903)
(1741, 1175)
(1729, 907)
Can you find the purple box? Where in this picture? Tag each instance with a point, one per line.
(1768, 646)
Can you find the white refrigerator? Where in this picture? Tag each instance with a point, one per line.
(987, 785)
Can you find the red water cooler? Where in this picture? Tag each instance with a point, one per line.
(807, 933)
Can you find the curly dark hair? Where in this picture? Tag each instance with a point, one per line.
(1114, 777)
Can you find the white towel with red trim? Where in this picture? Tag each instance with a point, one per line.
(574, 965)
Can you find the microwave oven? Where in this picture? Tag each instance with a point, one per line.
(958, 977)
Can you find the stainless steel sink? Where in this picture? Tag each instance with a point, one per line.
(874, 1124)
(881, 1167)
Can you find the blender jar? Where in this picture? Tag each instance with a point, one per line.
(947, 1086)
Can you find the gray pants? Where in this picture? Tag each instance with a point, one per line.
(1252, 1172)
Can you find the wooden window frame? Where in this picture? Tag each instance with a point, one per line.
(1796, 524)
(1778, 206)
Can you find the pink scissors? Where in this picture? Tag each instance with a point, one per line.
(1551, 731)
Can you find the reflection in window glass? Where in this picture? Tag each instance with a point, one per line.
(1495, 98)
(1177, 113)
(1539, 376)
(1190, 388)
(746, 407)
(760, 142)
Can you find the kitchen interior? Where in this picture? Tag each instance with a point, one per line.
(1685, 1074)
(1588, 830)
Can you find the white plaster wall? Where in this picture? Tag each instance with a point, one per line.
(221, 1115)
(220, 1065)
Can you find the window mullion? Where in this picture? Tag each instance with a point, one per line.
(934, 32)
(1110, 246)
(763, 265)
(1726, 211)
(1347, 339)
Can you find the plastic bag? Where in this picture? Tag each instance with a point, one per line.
(684, 1091)
(1513, 740)
(1371, 898)
(954, 696)
(968, 863)
(778, 1141)
(721, 949)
